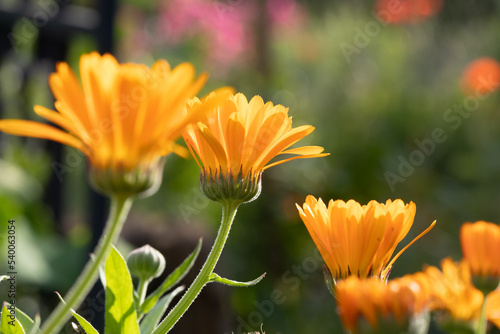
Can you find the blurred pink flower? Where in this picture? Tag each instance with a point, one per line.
(223, 26)
(286, 13)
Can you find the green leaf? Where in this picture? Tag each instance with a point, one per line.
(10, 325)
(28, 324)
(36, 325)
(87, 327)
(216, 278)
(154, 316)
(170, 281)
(120, 316)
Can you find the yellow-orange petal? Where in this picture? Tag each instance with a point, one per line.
(354, 239)
(480, 243)
(56, 118)
(242, 135)
(40, 130)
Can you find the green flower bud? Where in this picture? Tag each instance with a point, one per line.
(146, 263)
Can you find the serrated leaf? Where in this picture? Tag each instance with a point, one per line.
(120, 316)
(152, 319)
(9, 323)
(216, 278)
(170, 281)
(87, 326)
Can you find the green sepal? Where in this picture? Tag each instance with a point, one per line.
(9, 323)
(485, 284)
(152, 319)
(216, 278)
(170, 281)
(329, 280)
(84, 324)
(120, 315)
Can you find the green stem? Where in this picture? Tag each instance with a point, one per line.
(228, 212)
(120, 207)
(142, 289)
(481, 328)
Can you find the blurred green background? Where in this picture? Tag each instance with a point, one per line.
(372, 109)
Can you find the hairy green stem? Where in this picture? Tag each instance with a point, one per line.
(120, 207)
(481, 327)
(229, 209)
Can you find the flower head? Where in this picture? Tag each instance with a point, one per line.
(123, 117)
(482, 76)
(355, 239)
(239, 138)
(371, 306)
(453, 292)
(481, 249)
(407, 11)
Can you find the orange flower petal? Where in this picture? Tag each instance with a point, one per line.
(40, 130)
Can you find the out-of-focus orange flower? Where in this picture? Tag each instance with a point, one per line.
(386, 308)
(453, 292)
(358, 240)
(407, 11)
(481, 247)
(493, 307)
(123, 117)
(482, 76)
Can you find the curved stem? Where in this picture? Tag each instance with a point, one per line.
(228, 212)
(120, 207)
(481, 328)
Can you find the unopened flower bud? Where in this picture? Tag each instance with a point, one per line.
(146, 263)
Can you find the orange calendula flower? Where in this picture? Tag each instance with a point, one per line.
(237, 141)
(453, 292)
(370, 305)
(123, 117)
(481, 77)
(493, 308)
(358, 240)
(481, 249)
(407, 11)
